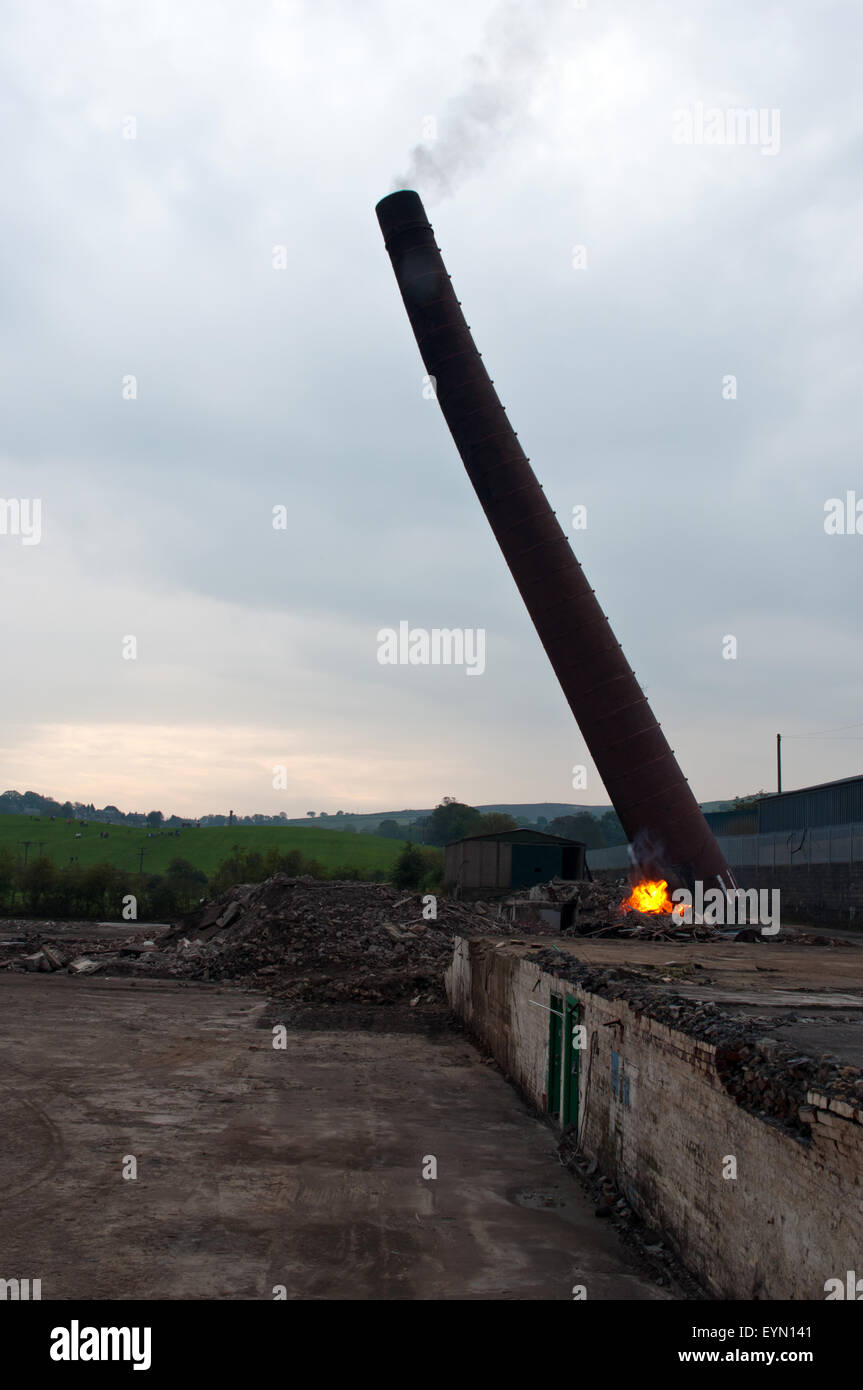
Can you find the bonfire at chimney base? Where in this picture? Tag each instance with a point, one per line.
(649, 896)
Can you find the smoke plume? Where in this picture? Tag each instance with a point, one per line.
(493, 106)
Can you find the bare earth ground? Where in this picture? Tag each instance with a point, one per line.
(260, 1167)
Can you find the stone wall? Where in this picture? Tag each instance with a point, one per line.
(658, 1120)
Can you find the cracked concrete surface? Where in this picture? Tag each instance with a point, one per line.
(259, 1167)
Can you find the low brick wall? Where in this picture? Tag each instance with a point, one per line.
(659, 1122)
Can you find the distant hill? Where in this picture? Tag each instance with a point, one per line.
(14, 803)
(549, 809)
(369, 821)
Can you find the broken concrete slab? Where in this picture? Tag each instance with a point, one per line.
(56, 959)
(82, 965)
(230, 914)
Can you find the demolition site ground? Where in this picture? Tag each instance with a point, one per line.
(271, 1097)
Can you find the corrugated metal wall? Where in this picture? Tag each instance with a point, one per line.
(838, 804)
(479, 864)
(823, 844)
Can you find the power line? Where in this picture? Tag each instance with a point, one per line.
(40, 844)
(827, 736)
(821, 733)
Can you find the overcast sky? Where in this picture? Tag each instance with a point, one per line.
(156, 154)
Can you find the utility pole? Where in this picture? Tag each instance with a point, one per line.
(778, 762)
(140, 861)
(40, 844)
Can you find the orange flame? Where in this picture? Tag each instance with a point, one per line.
(650, 896)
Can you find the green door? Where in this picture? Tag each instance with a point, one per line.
(555, 1034)
(534, 864)
(571, 1052)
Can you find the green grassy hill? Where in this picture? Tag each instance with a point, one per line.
(205, 848)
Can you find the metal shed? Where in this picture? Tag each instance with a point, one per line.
(510, 859)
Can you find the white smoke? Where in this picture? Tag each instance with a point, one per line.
(647, 856)
(494, 103)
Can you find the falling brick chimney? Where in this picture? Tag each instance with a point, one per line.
(661, 818)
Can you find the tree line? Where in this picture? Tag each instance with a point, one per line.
(454, 820)
(42, 888)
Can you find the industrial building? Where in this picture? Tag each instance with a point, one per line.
(807, 843)
(827, 803)
(507, 859)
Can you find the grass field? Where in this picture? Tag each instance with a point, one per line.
(205, 848)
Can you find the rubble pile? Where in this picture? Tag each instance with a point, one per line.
(316, 941)
(41, 949)
(597, 905)
(591, 908)
(297, 938)
(662, 926)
